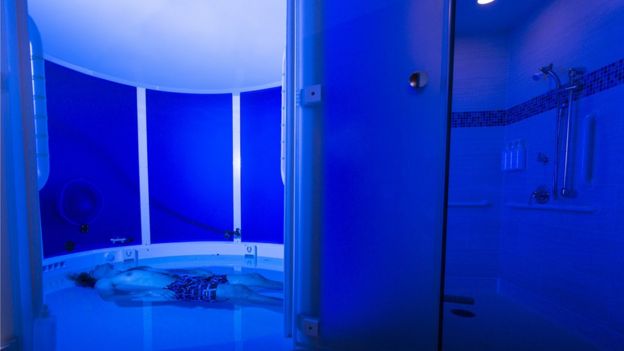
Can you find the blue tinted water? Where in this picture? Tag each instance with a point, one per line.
(86, 322)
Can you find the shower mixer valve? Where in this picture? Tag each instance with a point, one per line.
(541, 195)
(542, 158)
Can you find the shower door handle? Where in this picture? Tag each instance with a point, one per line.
(418, 80)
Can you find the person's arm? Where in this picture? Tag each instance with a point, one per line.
(201, 272)
(106, 289)
(170, 272)
(176, 271)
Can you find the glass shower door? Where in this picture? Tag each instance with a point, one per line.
(534, 232)
(372, 148)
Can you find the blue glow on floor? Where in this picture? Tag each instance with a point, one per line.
(502, 324)
(86, 322)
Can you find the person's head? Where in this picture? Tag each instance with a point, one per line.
(84, 279)
(89, 279)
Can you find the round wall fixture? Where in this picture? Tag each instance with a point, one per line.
(80, 202)
(196, 46)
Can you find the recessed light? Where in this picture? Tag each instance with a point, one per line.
(484, 2)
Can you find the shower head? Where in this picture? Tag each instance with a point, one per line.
(547, 71)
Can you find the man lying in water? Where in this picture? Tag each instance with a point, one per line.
(197, 285)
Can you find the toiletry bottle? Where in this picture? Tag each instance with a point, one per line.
(521, 155)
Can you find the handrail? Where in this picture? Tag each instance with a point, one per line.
(589, 141)
(39, 104)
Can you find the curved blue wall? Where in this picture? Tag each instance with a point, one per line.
(94, 140)
(189, 139)
(262, 190)
(93, 137)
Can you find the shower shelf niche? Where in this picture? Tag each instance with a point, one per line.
(561, 208)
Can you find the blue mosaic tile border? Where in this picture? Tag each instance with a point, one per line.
(478, 119)
(593, 82)
(603, 78)
(536, 105)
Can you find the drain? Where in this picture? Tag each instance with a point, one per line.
(463, 313)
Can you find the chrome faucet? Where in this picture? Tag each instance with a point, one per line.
(233, 234)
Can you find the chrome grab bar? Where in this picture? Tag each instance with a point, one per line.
(575, 86)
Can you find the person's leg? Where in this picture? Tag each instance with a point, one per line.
(241, 294)
(254, 280)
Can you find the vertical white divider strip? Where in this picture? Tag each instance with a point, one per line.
(146, 238)
(236, 159)
(236, 162)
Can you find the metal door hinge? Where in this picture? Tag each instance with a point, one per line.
(310, 326)
(311, 95)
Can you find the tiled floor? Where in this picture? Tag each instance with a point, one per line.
(502, 325)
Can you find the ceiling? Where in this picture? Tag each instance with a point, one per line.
(498, 16)
(175, 45)
(204, 46)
